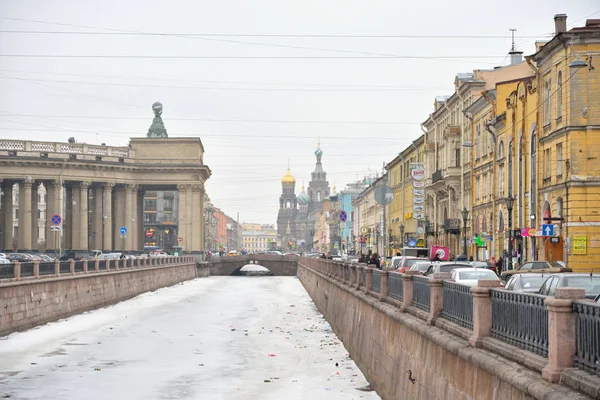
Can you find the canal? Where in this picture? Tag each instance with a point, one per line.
(211, 338)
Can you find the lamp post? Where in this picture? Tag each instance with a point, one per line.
(401, 235)
(465, 215)
(390, 241)
(510, 201)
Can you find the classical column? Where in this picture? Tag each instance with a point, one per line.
(129, 216)
(139, 219)
(35, 205)
(107, 217)
(84, 239)
(52, 207)
(75, 216)
(97, 221)
(184, 216)
(25, 215)
(119, 217)
(197, 217)
(68, 217)
(7, 215)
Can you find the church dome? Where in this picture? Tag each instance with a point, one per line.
(318, 152)
(288, 178)
(303, 197)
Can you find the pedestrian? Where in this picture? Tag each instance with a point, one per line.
(323, 256)
(398, 254)
(470, 258)
(362, 259)
(375, 260)
(499, 265)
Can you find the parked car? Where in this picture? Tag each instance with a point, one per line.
(46, 257)
(589, 282)
(20, 257)
(2, 255)
(525, 283)
(403, 264)
(4, 260)
(549, 267)
(421, 266)
(76, 255)
(445, 266)
(470, 276)
(483, 264)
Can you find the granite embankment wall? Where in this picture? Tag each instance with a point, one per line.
(392, 348)
(30, 302)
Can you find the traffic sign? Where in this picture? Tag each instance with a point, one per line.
(547, 230)
(56, 219)
(343, 216)
(526, 232)
(412, 243)
(55, 228)
(342, 225)
(180, 239)
(149, 233)
(123, 230)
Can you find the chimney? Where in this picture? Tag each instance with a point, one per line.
(516, 57)
(560, 23)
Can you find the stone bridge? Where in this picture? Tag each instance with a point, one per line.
(278, 265)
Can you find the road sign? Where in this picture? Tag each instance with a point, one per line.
(418, 207)
(149, 233)
(56, 219)
(526, 232)
(123, 230)
(548, 230)
(342, 225)
(55, 228)
(180, 239)
(412, 243)
(363, 229)
(420, 230)
(418, 215)
(343, 216)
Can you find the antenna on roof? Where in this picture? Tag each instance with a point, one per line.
(515, 55)
(512, 33)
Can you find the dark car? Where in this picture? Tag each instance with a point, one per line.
(446, 266)
(76, 255)
(589, 282)
(525, 283)
(20, 257)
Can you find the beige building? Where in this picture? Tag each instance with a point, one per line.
(368, 219)
(99, 189)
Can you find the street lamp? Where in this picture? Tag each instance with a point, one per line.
(390, 241)
(401, 235)
(510, 201)
(465, 215)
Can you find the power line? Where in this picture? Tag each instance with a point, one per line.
(181, 57)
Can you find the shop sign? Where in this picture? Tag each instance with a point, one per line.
(579, 244)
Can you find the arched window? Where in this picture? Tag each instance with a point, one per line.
(559, 207)
(483, 224)
(500, 221)
(546, 212)
(318, 196)
(559, 84)
(533, 170)
(547, 102)
(510, 168)
(501, 150)
(288, 204)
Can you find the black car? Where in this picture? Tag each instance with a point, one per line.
(20, 257)
(589, 282)
(76, 255)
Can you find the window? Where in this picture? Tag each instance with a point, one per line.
(501, 181)
(477, 188)
(318, 196)
(17, 214)
(547, 102)
(547, 163)
(485, 187)
(559, 159)
(457, 156)
(559, 96)
(149, 204)
(501, 150)
(149, 218)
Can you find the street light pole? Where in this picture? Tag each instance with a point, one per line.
(402, 235)
(510, 200)
(465, 215)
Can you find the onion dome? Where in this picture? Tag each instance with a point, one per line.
(288, 178)
(318, 152)
(303, 197)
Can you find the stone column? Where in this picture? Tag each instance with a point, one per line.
(7, 215)
(197, 218)
(383, 292)
(369, 283)
(75, 216)
(436, 296)
(132, 222)
(68, 217)
(107, 217)
(53, 189)
(98, 218)
(25, 215)
(184, 216)
(35, 221)
(359, 279)
(119, 217)
(482, 311)
(561, 332)
(84, 242)
(352, 269)
(407, 289)
(139, 219)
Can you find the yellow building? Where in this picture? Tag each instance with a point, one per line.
(403, 211)
(568, 144)
(368, 219)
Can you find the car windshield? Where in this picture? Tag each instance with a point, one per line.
(476, 275)
(420, 266)
(532, 282)
(397, 262)
(591, 284)
(479, 264)
(450, 267)
(410, 261)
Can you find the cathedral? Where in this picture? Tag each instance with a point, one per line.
(294, 222)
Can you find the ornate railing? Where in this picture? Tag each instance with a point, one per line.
(65, 267)
(458, 304)
(65, 148)
(520, 320)
(376, 281)
(421, 292)
(395, 286)
(7, 271)
(47, 268)
(587, 336)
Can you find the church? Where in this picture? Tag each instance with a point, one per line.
(294, 223)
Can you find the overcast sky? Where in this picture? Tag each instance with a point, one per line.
(255, 80)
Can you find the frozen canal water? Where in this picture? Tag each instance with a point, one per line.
(211, 338)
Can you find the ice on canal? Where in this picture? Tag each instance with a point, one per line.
(211, 338)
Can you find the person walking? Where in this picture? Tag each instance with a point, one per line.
(499, 265)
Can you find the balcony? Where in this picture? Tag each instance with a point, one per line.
(437, 176)
(452, 130)
(452, 225)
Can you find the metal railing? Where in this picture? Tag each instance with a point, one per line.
(587, 336)
(26, 269)
(364, 277)
(65, 267)
(7, 271)
(78, 266)
(520, 320)
(377, 281)
(47, 268)
(458, 304)
(421, 293)
(395, 286)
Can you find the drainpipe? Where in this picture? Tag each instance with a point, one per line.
(494, 162)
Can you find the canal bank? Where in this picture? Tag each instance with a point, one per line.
(215, 338)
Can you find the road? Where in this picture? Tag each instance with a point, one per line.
(211, 338)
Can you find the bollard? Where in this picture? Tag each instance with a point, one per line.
(436, 296)
(482, 311)
(561, 332)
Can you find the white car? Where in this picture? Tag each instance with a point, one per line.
(4, 260)
(470, 276)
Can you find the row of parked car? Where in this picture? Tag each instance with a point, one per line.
(540, 277)
(23, 257)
